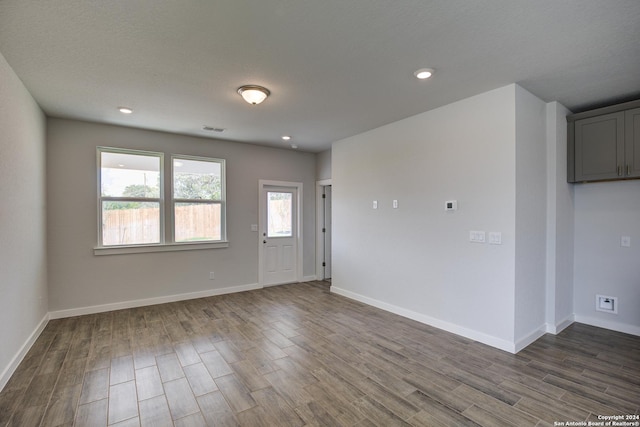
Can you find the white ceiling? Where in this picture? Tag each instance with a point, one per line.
(335, 68)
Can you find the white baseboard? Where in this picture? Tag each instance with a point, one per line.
(608, 324)
(562, 325)
(431, 321)
(150, 301)
(17, 359)
(530, 338)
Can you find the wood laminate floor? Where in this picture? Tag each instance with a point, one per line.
(297, 355)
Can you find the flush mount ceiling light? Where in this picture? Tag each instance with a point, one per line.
(286, 137)
(125, 110)
(424, 73)
(253, 94)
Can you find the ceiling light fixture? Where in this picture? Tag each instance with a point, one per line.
(253, 94)
(294, 146)
(125, 110)
(424, 73)
(286, 137)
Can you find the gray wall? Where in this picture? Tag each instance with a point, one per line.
(560, 222)
(531, 216)
(502, 155)
(323, 165)
(605, 212)
(79, 279)
(417, 260)
(23, 282)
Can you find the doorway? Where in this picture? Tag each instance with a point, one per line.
(280, 252)
(324, 230)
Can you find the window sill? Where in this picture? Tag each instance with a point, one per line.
(169, 247)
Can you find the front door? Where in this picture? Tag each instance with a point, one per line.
(279, 234)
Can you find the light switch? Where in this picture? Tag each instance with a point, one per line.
(375, 204)
(254, 227)
(625, 241)
(395, 204)
(495, 238)
(477, 236)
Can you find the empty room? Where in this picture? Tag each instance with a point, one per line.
(330, 213)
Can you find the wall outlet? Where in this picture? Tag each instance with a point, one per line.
(212, 275)
(625, 241)
(607, 304)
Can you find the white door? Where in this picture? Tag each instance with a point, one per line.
(278, 234)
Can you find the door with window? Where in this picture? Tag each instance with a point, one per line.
(278, 234)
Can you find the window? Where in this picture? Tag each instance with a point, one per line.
(198, 199)
(130, 198)
(132, 208)
(279, 209)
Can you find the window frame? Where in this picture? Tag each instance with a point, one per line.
(159, 199)
(167, 212)
(221, 202)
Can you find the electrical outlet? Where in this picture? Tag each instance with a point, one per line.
(625, 241)
(212, 275)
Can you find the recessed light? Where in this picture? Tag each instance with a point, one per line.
(294, 146)
(423, 73)
(286, 137)
(125, 110)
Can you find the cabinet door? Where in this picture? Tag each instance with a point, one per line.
(632, 143)
(599, 147)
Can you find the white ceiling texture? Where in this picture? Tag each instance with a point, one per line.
(335, 68)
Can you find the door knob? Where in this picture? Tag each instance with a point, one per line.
(264, 241)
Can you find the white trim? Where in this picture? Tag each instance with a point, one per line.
(496, 342)
(319, 223)
(530, 338)
(300, 241)
(562, 325)
(170, 247)
(608, 324)
(150, 301)
(17, 359)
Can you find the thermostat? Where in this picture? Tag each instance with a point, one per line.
(451, 205)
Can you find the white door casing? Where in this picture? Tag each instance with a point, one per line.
(327, 232)
(280, 237)
(323, 245)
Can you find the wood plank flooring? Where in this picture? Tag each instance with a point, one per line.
(297, 355)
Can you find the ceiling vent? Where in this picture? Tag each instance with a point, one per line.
(212, 129)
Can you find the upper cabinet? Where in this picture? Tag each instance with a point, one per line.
(604, 144)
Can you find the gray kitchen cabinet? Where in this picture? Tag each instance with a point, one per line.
(604, 144)
(632, 142)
